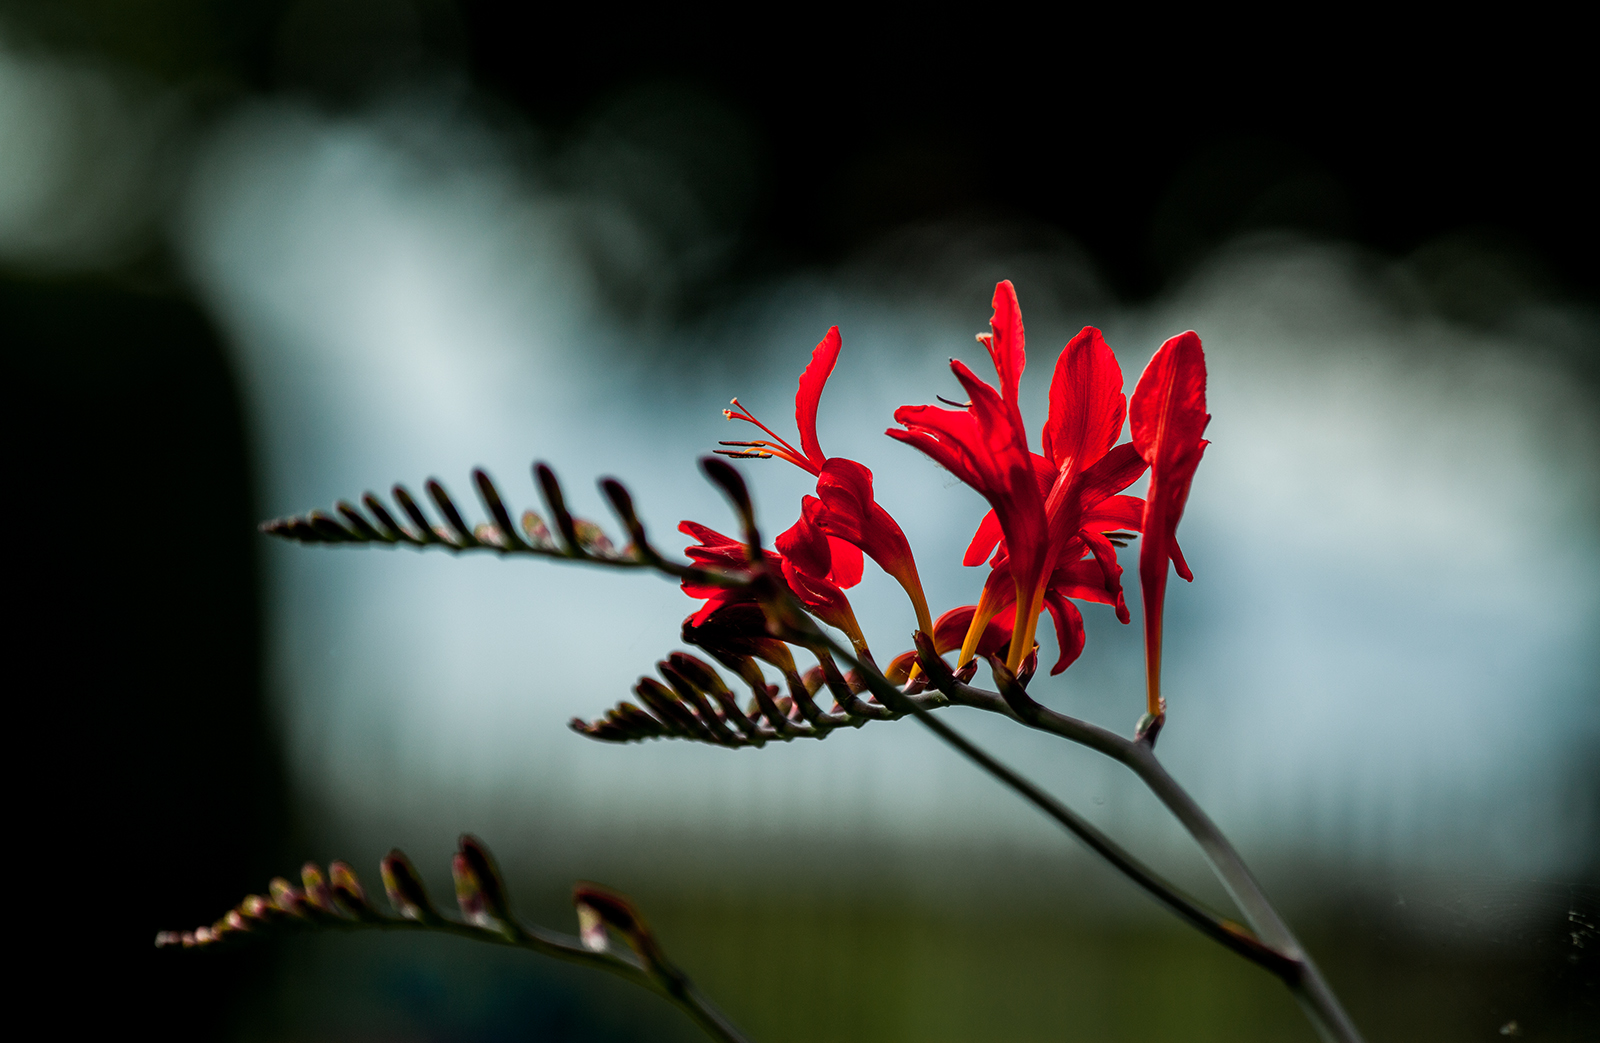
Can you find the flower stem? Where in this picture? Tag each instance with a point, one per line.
(1299, 973)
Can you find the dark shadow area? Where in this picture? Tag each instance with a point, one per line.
(151, 785)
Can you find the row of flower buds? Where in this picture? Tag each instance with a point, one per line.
(573, 537)
(696, 704)
(337, 899)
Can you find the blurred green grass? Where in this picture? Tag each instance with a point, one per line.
(816, 967)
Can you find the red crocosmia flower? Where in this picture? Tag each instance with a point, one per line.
(1047, 510)
(717, 551)
(844, 508)
(1168, 418)
(986, 446)
(802, 560)
(814, 575)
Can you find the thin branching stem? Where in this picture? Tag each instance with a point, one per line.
(1272, 945)
(1298, 971)
(667, 982)
(1231, 935)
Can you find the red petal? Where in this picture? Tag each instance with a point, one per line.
(812, 382)
(1116, 512)
(1083, 580)
(983, 541)
(948, 436)
(1168, 417)
(850, 513)
(1110, 474)
(1087, 405)
(1169, 405)
(899, 668)
(1006, 343)
(826, 601)
(950, 630)
(806, 545)
(847, 563)
(1069, 630)
(707, 536)
(1179, 564)
(1105, 554)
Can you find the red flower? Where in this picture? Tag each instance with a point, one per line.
(844, 508)
(1168, 418)
(804, 561)
(1048, 511)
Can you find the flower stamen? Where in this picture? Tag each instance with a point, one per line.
(762, 450)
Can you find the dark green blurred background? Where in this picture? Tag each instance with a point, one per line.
(153, 782)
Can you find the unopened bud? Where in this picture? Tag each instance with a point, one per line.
(316, 889)
(257, 908)
(479, 888)
(405, 890)
(616, 912)
(287, 898)
(591, 928)
(347, 890)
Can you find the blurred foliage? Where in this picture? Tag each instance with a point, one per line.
(802, 964)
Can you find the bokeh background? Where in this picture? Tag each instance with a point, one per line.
(258, 256)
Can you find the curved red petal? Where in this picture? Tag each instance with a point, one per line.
(899, 669)
(950, 630)
(805, 545)
(812, 381)
(1006, 341)
(1087, 405)
(1168, 412)
(847, 563)
(945, 435)
(1116, 512)
(850, 513)
(1069, 630)
(707, 536)
(983, 541)
(826, 601)
(1084, 581)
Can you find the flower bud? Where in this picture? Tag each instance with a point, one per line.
(256, 907)
(405, 890)
(348, 892)
(287, 898)
(591, 929)
(600, 908)
(479, 888)
(317, 894)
